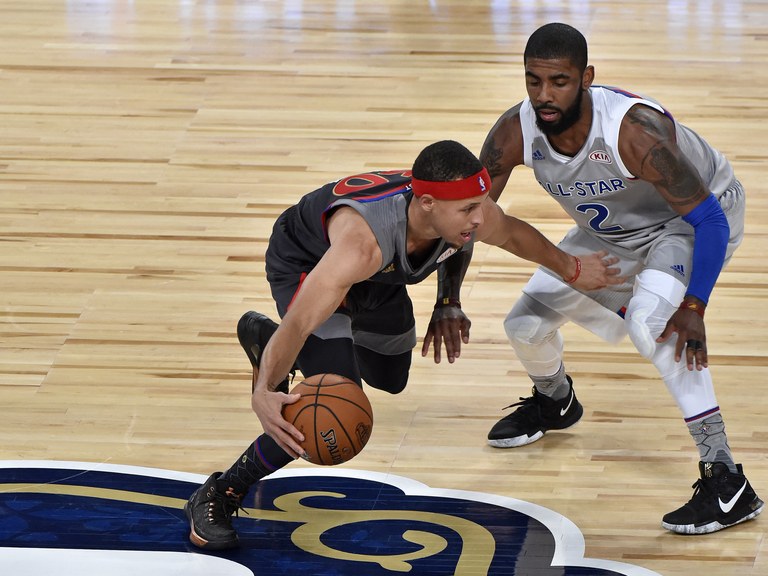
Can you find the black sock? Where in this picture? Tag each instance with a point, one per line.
(262, 457)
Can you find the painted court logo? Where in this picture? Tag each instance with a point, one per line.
(74, 518)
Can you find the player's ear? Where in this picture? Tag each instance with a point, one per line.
(427, 202)
(587, 77)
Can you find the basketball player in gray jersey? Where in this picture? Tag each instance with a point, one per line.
(650, 191)
(338, 263)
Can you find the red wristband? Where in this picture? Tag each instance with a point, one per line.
(576, 274)
(695, 306)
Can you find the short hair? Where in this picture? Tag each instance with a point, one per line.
(557, 40)
(445, 161)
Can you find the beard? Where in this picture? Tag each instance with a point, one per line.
(568, 117)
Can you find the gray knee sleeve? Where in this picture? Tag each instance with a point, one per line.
(532, 329)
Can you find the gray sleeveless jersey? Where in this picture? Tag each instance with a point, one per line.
(387, 218)
(299, 238)
(596, 189)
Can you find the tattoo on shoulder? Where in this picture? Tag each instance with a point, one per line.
(645, 117)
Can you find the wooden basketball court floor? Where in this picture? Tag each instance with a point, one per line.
(147, 148)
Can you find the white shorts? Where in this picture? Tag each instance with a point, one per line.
(602, 311)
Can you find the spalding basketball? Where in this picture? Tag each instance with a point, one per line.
(334, 415)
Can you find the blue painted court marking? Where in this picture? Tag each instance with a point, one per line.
(76, 518)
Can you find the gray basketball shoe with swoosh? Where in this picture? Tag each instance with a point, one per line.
(535, 415)
(720, 499)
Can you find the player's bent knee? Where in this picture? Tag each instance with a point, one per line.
(650, 309)
(641, 328)
(531, 323)
(525, 330)
(392, 387)
(388, 373)
(394, 377)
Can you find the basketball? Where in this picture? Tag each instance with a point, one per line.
(334, 415)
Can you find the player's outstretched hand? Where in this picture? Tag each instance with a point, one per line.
(449, 326)
(598, 271)
(691, 335)
(268, 406)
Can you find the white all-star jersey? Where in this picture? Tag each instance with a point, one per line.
(596, 189)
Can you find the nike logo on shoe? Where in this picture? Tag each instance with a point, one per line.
(564, 410)
(726, 507)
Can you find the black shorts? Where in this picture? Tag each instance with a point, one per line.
(374, 315)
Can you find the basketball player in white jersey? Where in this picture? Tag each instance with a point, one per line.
(653, 193)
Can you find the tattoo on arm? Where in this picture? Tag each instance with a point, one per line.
(674, 173)
(677, 177)
(490, 156)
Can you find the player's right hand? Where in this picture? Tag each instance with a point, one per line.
(598, 271)
(691, 336)
(268, 406)
(448, 326)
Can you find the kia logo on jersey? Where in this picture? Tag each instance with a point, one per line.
(600, 156)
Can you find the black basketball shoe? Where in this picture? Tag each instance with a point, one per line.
(254, 331)
(535, 415)
(209, 512)
(720, 499)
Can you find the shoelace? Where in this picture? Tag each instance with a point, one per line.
(529, 409)
(700, 487)
(523, 402)
(224, 505)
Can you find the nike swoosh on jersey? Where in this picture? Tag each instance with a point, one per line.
(564, 410)
(728, 506)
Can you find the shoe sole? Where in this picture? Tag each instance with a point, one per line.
(693, 529)
(516, 441)
(524, 440)
(201, 542)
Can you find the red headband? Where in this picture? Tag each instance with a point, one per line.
(475, 185)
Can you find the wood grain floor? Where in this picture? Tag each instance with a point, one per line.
(146, 148)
